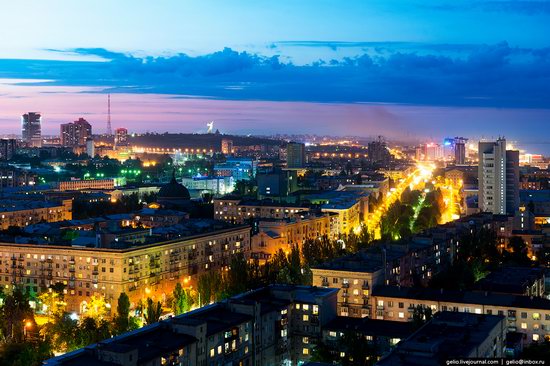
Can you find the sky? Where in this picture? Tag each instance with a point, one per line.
(412, 69)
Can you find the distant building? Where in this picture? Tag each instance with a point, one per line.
(378, 152)
(277, 184)
(12, 177)
(460, 150)
(238, 168)
(295, 155)
(31, 129)
(214, 185)
(75, 133)
(22, 213)
(449, 336)
(7, 148)
(78, 184)
(227, 146)
(525, 281)
(434, 152)
(498, 173)
(90, 147)
(121, 137)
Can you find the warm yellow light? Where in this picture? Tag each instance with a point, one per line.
(28, 324)
(147, 290)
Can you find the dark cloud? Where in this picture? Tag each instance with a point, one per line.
(488, 75)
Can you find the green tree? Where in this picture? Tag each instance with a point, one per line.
(122, 320)
(421, 315)
(153, 311)
(182, 301)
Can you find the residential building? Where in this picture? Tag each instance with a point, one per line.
(276, 234)
(139, 270)
(7, 148)
(121, 137)
(275, 325)
(526, 281)
(295, 155)
(21, 213)
(238, 211)
(13, 177)
(31, 129)
(460, 150)
(227, 146)
(75, 134)
(451, 336)
(498, 177)
(525, 314)
(378, 152)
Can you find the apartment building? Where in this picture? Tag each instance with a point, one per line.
(140, 270)
(524, 314)
(237, 211)
(20, 213)
(355, 275)
(275, 234)
(451, 336)
(275, 325)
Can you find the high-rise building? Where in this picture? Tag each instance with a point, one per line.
(227, 146)
(434, 152)
(75, 133)
(7, 148)
(295, 155)
(378, 152)
(31, 129)
(498, 174)
(90, 147)
(460, 150)
(121, 137)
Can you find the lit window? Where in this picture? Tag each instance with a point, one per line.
(315, 309)
(305, 351)
(535, 337)
(212, 352)
(523, 325)
(305, 340)
(305, 307)
(536, 316)
(305, 318)
(401, 315)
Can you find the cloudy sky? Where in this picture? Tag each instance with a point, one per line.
(407, 69)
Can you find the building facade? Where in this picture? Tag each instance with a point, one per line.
(31, 129)
(75, 134)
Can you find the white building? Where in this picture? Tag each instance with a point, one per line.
(214, 185)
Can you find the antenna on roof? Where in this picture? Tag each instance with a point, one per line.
(109, 128)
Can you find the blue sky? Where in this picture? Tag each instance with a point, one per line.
(488, 60)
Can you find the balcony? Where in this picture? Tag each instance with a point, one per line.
(345, 285)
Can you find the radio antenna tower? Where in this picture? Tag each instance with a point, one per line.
(109, 128)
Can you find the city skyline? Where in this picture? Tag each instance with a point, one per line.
(389, 68)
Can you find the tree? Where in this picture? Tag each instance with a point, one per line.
(97, 308)
(182, 300)
(421, 315)
(53, 299)
(121, 321)
(237, 276)
(153, 311)
(15, 312)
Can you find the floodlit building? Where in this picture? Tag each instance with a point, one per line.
(76, 133)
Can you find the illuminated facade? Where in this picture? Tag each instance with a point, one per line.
(141, 271)
(22, 213)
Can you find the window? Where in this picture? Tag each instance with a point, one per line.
(401, 305)
(523, 315)
(477, 311)
(466, 309)
(212, 352)
(220, 350)
(305, 340)
(536, 316)
(305, 318)
(305, 351)
(332, 334)
(298, 306)
(535, 337)
(380, 303)
(305, 307)
(315, 309)
(401, 315)
(489, 312)
(523, 325)
(390, 304)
